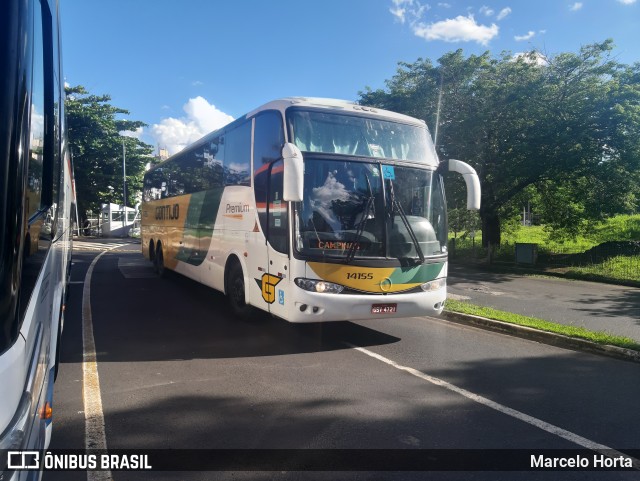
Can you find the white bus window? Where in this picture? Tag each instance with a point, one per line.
(237, 161)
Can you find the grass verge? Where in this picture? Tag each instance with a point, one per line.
(542, 325)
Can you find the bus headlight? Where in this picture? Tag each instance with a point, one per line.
(434, 285)
(316, 285)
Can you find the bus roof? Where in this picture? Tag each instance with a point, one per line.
(311, 102)
(334, 104)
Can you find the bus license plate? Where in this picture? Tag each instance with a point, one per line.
(384, 308)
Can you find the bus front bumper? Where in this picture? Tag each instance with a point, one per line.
(316, 307)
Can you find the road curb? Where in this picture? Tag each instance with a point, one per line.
(542, 336)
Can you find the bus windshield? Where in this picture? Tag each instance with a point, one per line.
(358, 209)
(331, 133)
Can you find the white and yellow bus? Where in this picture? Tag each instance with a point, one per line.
(310, 209)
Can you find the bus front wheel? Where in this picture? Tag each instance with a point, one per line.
(236, 292)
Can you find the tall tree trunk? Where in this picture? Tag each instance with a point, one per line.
(490, 229)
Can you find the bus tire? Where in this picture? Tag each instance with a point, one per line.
(235, 290)
(158, 261)
(152, 252)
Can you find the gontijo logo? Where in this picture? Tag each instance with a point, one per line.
(268, 285)
(168, 212)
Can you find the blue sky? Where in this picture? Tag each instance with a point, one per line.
(187, 67)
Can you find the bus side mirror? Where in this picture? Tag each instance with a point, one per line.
(293, 176)
(470, 179)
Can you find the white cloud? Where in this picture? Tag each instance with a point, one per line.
(136, 134)
(444, 5)
(202, 118)
(488, 11)
(459, 29)
(503, 13)
(528, 36)
(197, 83)
(399, 9)
(398, 13)
(576, 6)
(534, 58)
(627, 2)
(413, 9)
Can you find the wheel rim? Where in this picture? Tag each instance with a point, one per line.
(237, 292)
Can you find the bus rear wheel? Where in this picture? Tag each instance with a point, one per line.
(158, 262)
(152, 251)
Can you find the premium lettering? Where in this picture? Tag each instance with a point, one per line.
(237, 208)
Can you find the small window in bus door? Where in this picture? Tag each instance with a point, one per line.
(267, 148)
(278, 215)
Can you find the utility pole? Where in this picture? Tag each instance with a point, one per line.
(124, 187)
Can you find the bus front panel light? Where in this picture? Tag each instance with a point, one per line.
(317, 285)
(434, 285)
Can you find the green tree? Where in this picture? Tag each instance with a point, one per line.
(96, 140)
(567, 127)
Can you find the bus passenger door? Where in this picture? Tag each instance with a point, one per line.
(276, 290)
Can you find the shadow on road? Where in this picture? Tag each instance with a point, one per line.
(153, 319)
(624, 303)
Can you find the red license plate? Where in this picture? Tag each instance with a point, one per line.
(384, 308)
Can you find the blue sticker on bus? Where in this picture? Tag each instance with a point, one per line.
(281, 296)
(388, 173)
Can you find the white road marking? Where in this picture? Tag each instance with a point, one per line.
(95, 437)
(96, 246)
(550, 428)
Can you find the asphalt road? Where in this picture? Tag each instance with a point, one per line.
(177, 371)
(595, 306)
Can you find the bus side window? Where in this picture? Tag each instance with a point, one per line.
(40, 180)
(37, 137)
(237, 159)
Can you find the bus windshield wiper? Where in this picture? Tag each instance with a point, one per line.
(368, 207)
(395, 206)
